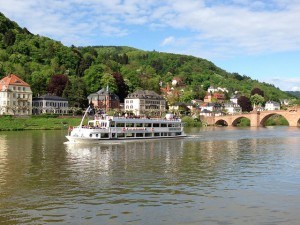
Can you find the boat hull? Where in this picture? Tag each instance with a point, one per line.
(72, 139)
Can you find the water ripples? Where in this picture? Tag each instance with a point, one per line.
(216, 176)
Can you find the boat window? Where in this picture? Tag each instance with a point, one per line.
(155, 124)
(138, 124)
(97, 135)
(139, 134)
(156, 134)
(121, 135)
(163, 125)
(147, 125)
(129, 124)
(112, 124)
(130, 135)
(120, 125)
(104, 135)
(170, 125)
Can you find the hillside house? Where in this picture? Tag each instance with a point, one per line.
(144, 102)
(104, 100)
(232, 108)
(217, 97)
(272, 105)
(15, 96)
(49, 104)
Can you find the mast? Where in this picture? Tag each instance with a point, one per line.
(84, 115)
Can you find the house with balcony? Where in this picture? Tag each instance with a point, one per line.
(15, 96)
(145, 102)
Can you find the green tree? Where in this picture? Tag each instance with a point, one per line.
(257, 99)
(92, 77)
(108, 80)
(75, 92)
(39, 81)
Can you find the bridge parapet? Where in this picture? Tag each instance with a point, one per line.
(257, 118)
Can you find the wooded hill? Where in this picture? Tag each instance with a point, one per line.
(82, 70)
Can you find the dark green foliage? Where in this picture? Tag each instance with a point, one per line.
(276, 120)
(244, 122)
(294, 93)
(75, 92)
(57, 84)
(257, 91)
(191, 122)
(245, 103)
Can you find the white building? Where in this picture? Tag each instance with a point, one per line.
(145, 102)
(50, 104)
(212, 89)
(234, 98)
(272, 105)
(232, 108)
(15, 96)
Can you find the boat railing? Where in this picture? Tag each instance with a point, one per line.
(134, 117)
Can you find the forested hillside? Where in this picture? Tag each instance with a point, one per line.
(75, 72)
(294, 93)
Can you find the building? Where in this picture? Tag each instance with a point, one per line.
(217, 97)
(212, 89)
(234, 98)
(104, 100)
(144, 102)
(272, 105)
(232, 108)
(49, 104)
(15, 96)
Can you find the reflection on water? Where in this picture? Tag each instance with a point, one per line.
(215, 176)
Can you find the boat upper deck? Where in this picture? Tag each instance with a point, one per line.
(137, 119)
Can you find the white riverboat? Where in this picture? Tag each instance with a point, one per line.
(123, 128)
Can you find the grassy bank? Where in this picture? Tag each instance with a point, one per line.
(37, 123)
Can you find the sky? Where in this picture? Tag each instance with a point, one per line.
(256, 38)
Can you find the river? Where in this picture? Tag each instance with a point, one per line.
(217, 175)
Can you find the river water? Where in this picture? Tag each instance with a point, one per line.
(217, 175)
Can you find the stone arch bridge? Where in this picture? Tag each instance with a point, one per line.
(257, 118)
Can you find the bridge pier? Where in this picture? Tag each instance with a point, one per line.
(254, 119)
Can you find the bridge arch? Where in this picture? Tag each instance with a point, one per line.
(238, 119)
(266, 117)
(257, 118)
(221, 122)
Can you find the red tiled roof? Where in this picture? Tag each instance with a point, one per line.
(12, 79)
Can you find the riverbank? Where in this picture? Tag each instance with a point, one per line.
(10, 123)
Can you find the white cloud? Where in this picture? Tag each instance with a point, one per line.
(231, 26)
(168, 40)
(286, 84)
(296, 88)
